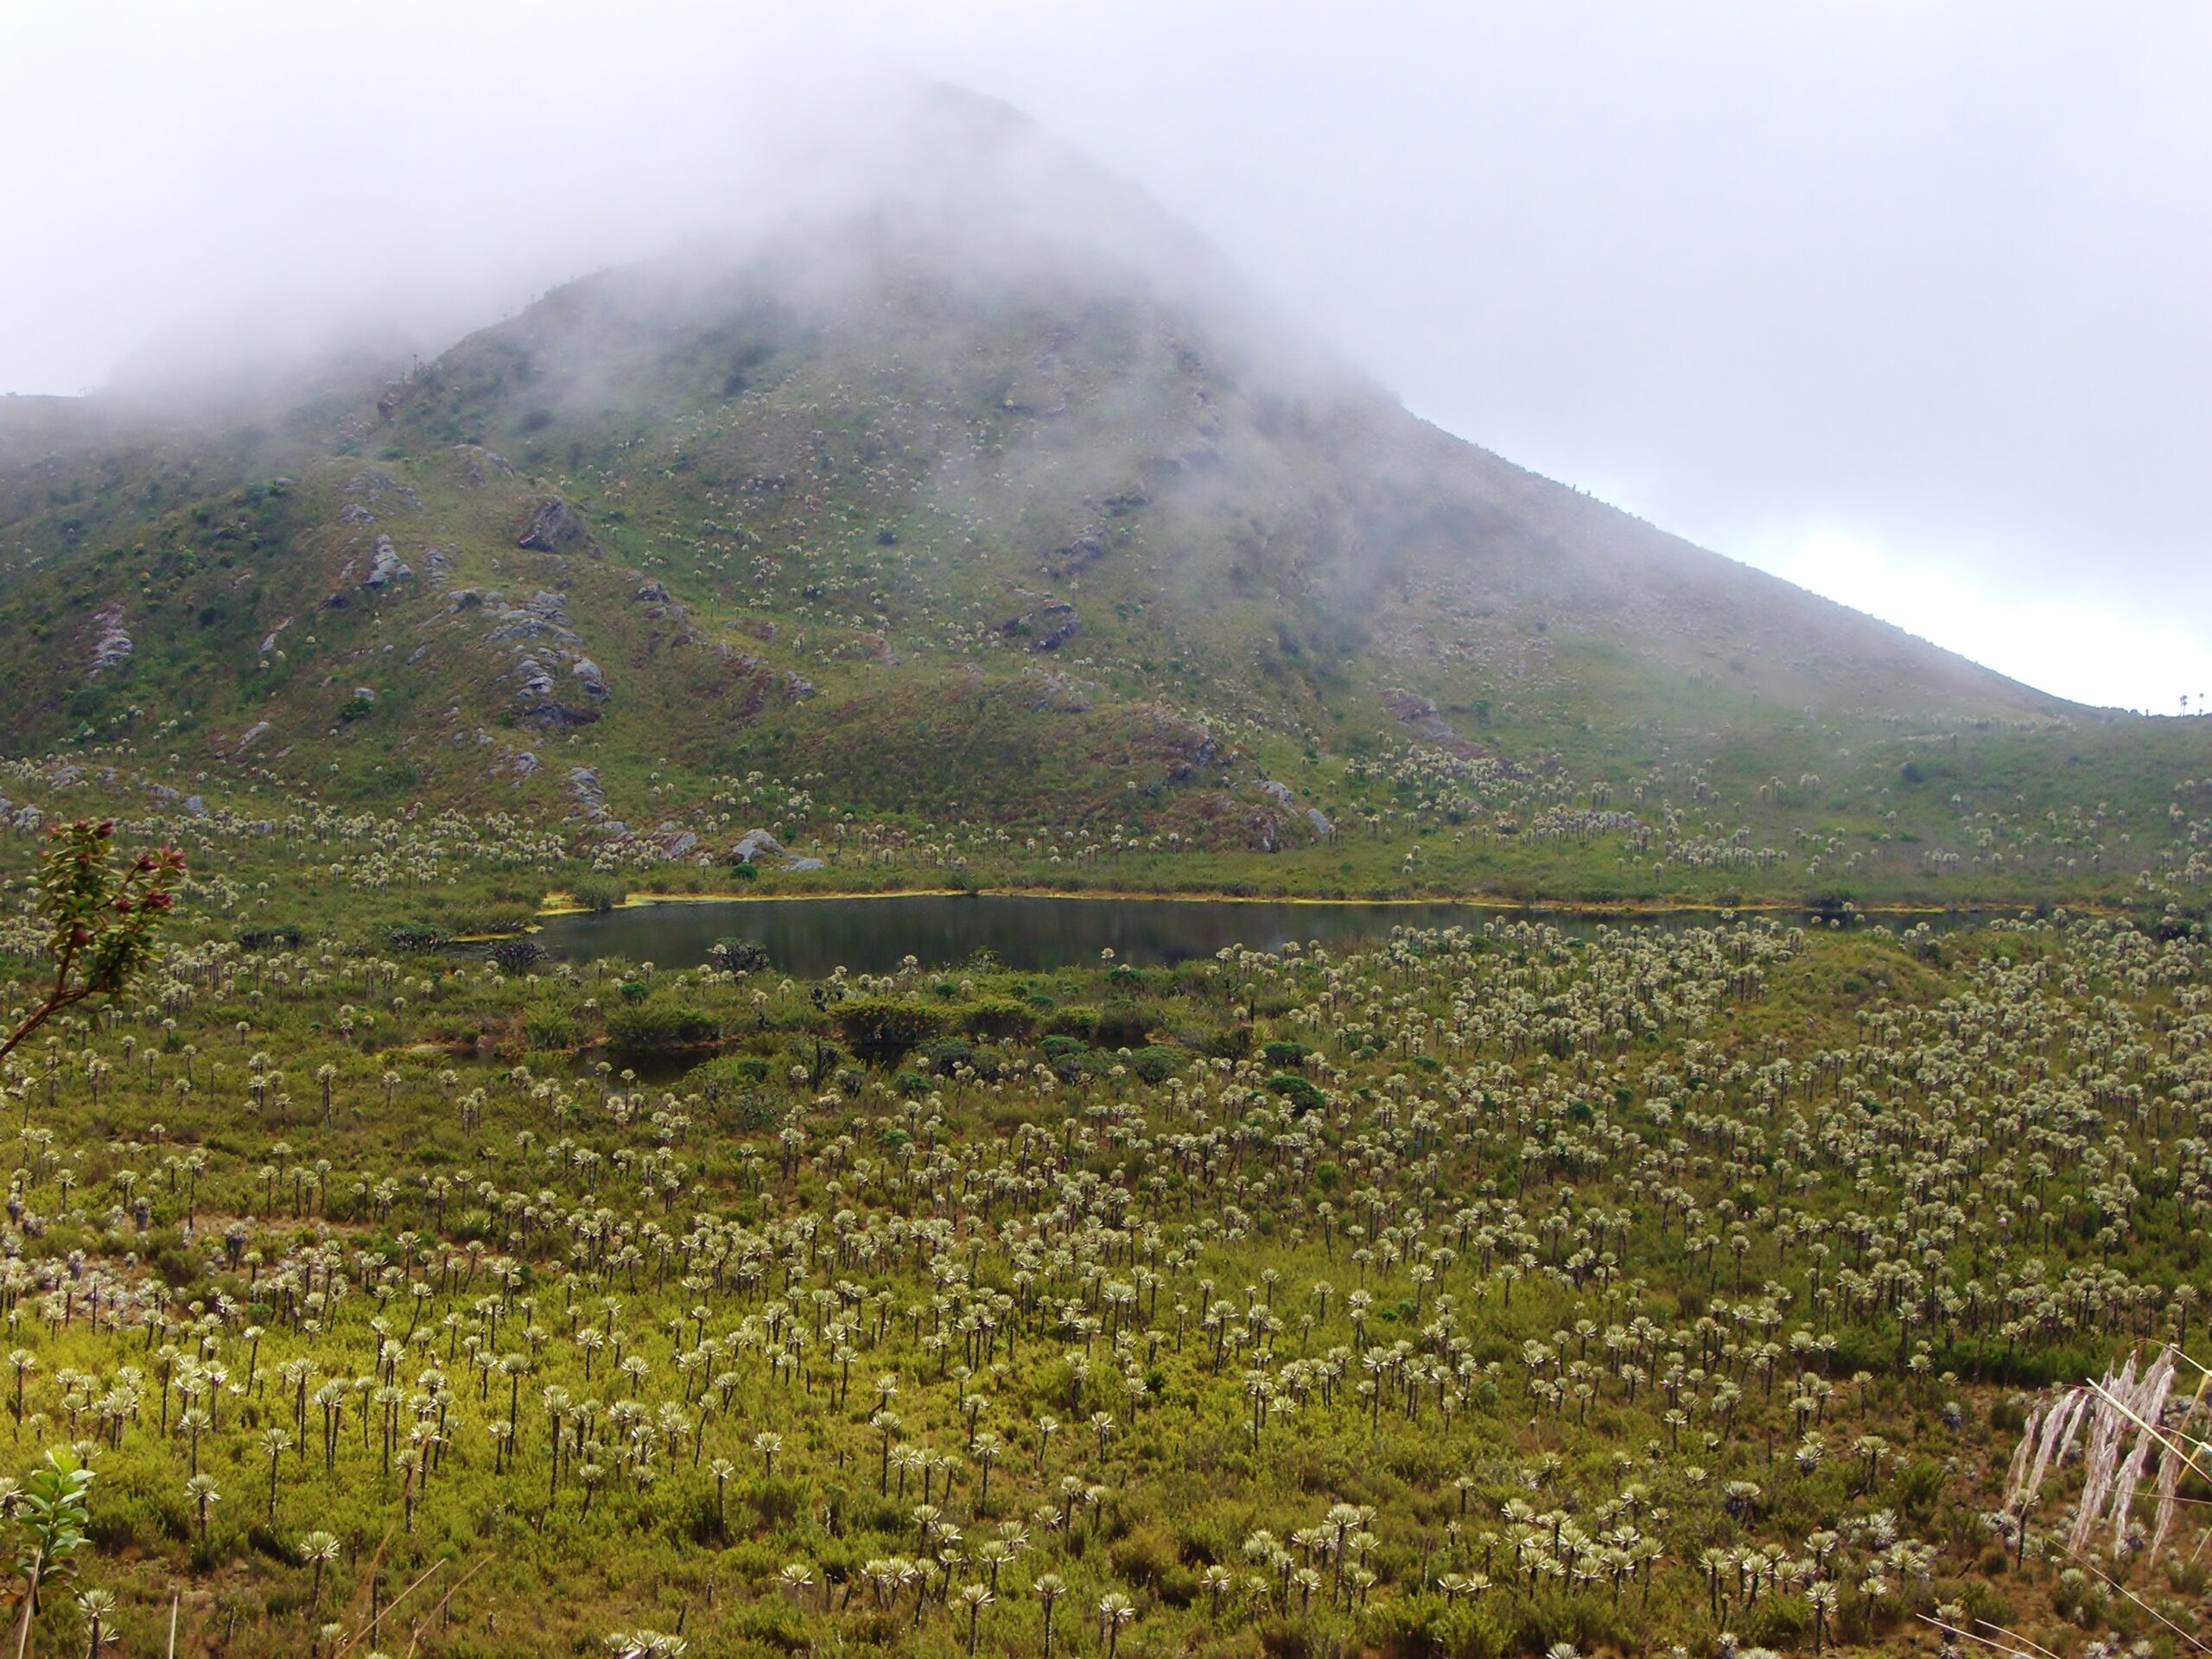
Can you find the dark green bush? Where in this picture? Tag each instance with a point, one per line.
(518, 954)
(658, 1026)
(998, 1020)
(1301, 1092)
(599, 893)
(1125, 1024)
(1080, 1021)
(1156, 1065)
(735, 956)
(544, 1028)
(881, 1029)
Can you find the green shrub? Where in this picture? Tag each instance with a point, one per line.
(732, 1083)
(997, 1019)
(518, 954)
(736, 955)
(1156, 1065)
(658, 1026)
(1125, 1024)
(546, 1029)
(1284, 1056)
(598, 893)
(1301, 1092)
(1078, 1023)
(882, 1029)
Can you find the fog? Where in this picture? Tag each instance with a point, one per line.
(1903, 303)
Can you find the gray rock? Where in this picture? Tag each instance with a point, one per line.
(378, 491)
(111, 643)
(1047, 628)
(754, 844)
(536, 683)
(1319, 820)
(587, 673)
(269, 644)
(1281, 792)
(387, 567)
(551, 527)
(196, 807)
(801, 864)
(251, 735)
(362, 694)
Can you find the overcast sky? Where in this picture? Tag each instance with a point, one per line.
(1907, 303)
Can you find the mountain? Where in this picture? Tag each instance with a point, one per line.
(987, 492)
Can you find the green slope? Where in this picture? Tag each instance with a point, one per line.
(951, 517)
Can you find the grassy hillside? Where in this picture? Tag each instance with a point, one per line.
(945, 517)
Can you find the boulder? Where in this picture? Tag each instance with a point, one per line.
(754, 844)
(111, 643)
(552, 527)
(387, 567)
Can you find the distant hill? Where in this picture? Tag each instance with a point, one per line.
(994, 495)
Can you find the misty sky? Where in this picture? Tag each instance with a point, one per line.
(1906, 304)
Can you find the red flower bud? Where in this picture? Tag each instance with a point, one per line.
(106, 829)
(123, 904)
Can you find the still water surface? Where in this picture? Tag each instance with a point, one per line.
(811, 936)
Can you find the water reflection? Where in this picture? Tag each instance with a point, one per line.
(811, 936)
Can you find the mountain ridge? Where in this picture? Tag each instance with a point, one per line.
(948, 513)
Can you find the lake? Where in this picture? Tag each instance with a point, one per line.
(809, 938)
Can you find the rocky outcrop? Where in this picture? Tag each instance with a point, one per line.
(1420, 716)
(373, 492)
(552, 528)
(386, 566)
(1059, 692)
(1076, 555)
(475, 465)
(1319, 820)
(111, 643)
(1046, 628)
(755, 844)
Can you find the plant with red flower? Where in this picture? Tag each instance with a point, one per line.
(100, 912)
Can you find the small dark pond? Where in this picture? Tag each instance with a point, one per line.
(811, 936)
